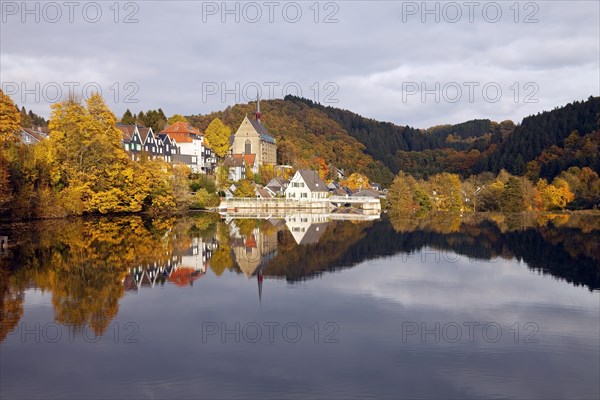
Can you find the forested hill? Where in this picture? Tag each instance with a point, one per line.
(306, 137)
(541, 145)
(554, 140)
(383, 140)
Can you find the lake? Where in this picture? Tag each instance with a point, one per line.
(443, 306)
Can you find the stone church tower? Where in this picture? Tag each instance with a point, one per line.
(253, 138)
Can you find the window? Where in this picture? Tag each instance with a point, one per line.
(304, 195)
(248, 147)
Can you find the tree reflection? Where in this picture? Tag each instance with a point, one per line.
(84, 263)
(88, 264)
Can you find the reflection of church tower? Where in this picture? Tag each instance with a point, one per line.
(253, 250)
(259, 279)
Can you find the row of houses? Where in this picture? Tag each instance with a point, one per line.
(179, 142)
(251, 146)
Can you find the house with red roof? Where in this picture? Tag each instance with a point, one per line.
(193, 149)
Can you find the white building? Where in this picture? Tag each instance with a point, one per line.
(306, 185)
(193, 149)
(307, 228)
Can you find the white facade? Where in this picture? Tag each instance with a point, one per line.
(304, 189)
(202, 158)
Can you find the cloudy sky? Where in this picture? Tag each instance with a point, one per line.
(411, 63)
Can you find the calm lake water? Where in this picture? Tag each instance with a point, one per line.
(303, 307)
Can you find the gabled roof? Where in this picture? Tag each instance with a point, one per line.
(245, 158)
(277, 182)
(181, 127)
(250, 241)
(339, 192)
(313, 233)
(183, 132)
(184, 276)
(166, 139)
(263, 193)
(127, 131)
(313, 180)
(262, 131)
(37, 135)
(144, 132)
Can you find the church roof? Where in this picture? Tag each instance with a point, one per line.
(262, 131)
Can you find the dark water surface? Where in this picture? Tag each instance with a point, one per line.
(198, 307)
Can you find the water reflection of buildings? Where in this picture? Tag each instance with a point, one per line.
(254, 243)
(252, 250)
(182, 268)
(307, 228)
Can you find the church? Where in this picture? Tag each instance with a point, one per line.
(252, 138)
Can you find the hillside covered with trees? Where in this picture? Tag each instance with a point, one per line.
(306, 137)
(542, 145)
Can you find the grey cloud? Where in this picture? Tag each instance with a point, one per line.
(369, 53)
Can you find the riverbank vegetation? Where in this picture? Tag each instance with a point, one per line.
(82, 168)
(575, 187)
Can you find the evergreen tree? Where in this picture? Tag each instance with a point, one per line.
(512, 197)
(128, 118)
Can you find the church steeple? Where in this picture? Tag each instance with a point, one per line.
(257, 114)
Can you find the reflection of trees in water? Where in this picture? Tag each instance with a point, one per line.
(84, 262)
(299, 262)
(565, 246)
(11, 303)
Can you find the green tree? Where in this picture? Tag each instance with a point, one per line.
(244, 188)
(448, 192)
(401, 193)
(512, 197)
(128, 118)
(406, 195)
(221, 258)
(203, 199)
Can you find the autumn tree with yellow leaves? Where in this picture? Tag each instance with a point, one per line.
(88, 169)
(356, 181)
(10, 120)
